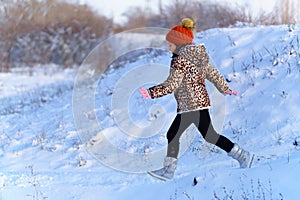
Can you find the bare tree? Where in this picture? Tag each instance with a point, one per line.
(136, 17)
(287, 11)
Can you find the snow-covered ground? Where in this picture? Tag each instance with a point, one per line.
(42, 155)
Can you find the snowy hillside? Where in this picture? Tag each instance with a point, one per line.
(42, 155)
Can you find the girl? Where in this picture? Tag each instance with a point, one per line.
(189, 68)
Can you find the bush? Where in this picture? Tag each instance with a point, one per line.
(48, 31)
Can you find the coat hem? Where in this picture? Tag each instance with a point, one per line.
(204, 108)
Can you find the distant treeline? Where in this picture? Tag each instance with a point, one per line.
(210, 14)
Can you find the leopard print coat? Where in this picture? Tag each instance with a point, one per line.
(186, 79)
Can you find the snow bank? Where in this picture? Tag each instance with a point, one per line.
(42, 156)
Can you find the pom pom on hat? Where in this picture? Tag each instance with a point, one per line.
(188, 23)
(183, 34)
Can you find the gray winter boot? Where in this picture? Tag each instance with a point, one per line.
(167, 172)
(243, 157)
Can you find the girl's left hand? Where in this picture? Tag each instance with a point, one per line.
(145, 94)
(231, 92)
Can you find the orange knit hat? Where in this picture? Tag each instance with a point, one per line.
(179, 35)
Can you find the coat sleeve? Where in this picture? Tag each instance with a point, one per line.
(214, 76)
(172, 82)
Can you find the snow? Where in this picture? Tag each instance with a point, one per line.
(42, 155)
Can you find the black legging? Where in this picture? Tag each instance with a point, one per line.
(202, 120)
